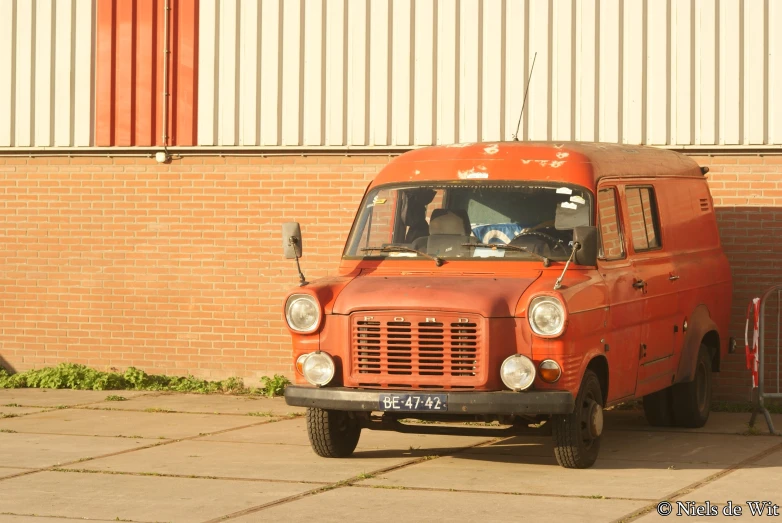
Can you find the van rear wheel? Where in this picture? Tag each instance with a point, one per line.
(692, 400)
(332, 433)
(658, 409)
(577, 435)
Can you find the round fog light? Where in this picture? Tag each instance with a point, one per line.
(318, 368)
(517, 372)
(549, 371)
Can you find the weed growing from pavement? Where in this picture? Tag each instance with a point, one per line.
(114, 397)
(8, 431)
(261, 414)
(80, 377)
(726, 406)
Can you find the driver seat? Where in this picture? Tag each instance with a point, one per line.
(448, 230)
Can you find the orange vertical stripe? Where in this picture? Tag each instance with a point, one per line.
(104, 71)
(146, 18)
(186, 72)
(124, 84)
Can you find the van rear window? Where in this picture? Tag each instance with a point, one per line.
(644, 219)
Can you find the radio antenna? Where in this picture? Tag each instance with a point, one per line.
(524, 103)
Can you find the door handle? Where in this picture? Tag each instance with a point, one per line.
(639, 284)
(673, 277)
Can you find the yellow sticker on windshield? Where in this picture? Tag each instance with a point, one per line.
(379, 201)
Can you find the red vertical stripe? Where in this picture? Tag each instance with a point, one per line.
(104, 81)
(129, 72)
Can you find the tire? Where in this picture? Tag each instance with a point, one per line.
(692, 400)
(658, 409)
(332, 433)
(577, 435)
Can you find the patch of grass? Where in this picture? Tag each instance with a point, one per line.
(12, 405)
(274, 386)
(261, 414)
(8, 431)
(156, 409)
(3, 416)
(114, 397)
(80, 377)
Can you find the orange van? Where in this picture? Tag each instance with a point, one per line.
(530, 284)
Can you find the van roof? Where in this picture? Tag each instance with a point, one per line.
(581, 163)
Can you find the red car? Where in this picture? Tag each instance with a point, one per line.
(533, 284)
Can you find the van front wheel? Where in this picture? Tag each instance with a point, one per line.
(332, 433)
(692, 400)
(577, 435)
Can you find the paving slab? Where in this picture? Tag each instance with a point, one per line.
(381, 505)
(204, 403)
(12, 412)
(719, 423)
(652, 447)
(58, 397)
(123, 423)
(757, 482)
(46, 450)
(248, 461)
(294, 432)
(10, 471)
(138, 498)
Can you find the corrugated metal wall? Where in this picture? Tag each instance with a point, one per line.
(46, 73)
(402, 72)
(129, 70)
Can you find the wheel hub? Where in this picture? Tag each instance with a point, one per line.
(595, 419)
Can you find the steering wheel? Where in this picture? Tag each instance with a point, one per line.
(553, 242)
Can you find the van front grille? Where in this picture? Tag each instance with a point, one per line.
(416, 350)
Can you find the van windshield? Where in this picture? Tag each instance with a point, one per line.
(395, 221)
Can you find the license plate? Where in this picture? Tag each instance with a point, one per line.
(413, 402)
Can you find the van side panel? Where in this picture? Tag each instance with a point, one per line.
(704, 282)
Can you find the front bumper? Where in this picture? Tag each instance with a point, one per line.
(467, 403)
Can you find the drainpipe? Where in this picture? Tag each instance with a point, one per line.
(164, 124)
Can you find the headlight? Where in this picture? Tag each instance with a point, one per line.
(318, 368)
(546, 316)
(517, 372)
(302, 312)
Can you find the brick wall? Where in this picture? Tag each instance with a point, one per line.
(178, 268)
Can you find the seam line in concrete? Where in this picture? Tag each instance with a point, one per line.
(127, 451)
(506, 493)
(184, 476)
(348, 482)
(43, 516)
(698, 484)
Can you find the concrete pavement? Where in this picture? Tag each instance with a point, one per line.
(73, 455)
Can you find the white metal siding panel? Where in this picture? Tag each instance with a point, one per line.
(6, 65)
(335, 72)
(250, 73)
(314, 46)
(775, 73)
(379, 51)
(46, 73)
(402, 72)
(586, 72)
(271, 73)
(447, 80)
(424, 89)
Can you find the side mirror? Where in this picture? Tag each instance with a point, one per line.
(586, 236)
(291, 240)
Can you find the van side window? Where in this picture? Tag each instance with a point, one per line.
(611, 244)
(644, 220)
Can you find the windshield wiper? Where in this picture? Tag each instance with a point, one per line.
(401, 248)
(546, 261)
